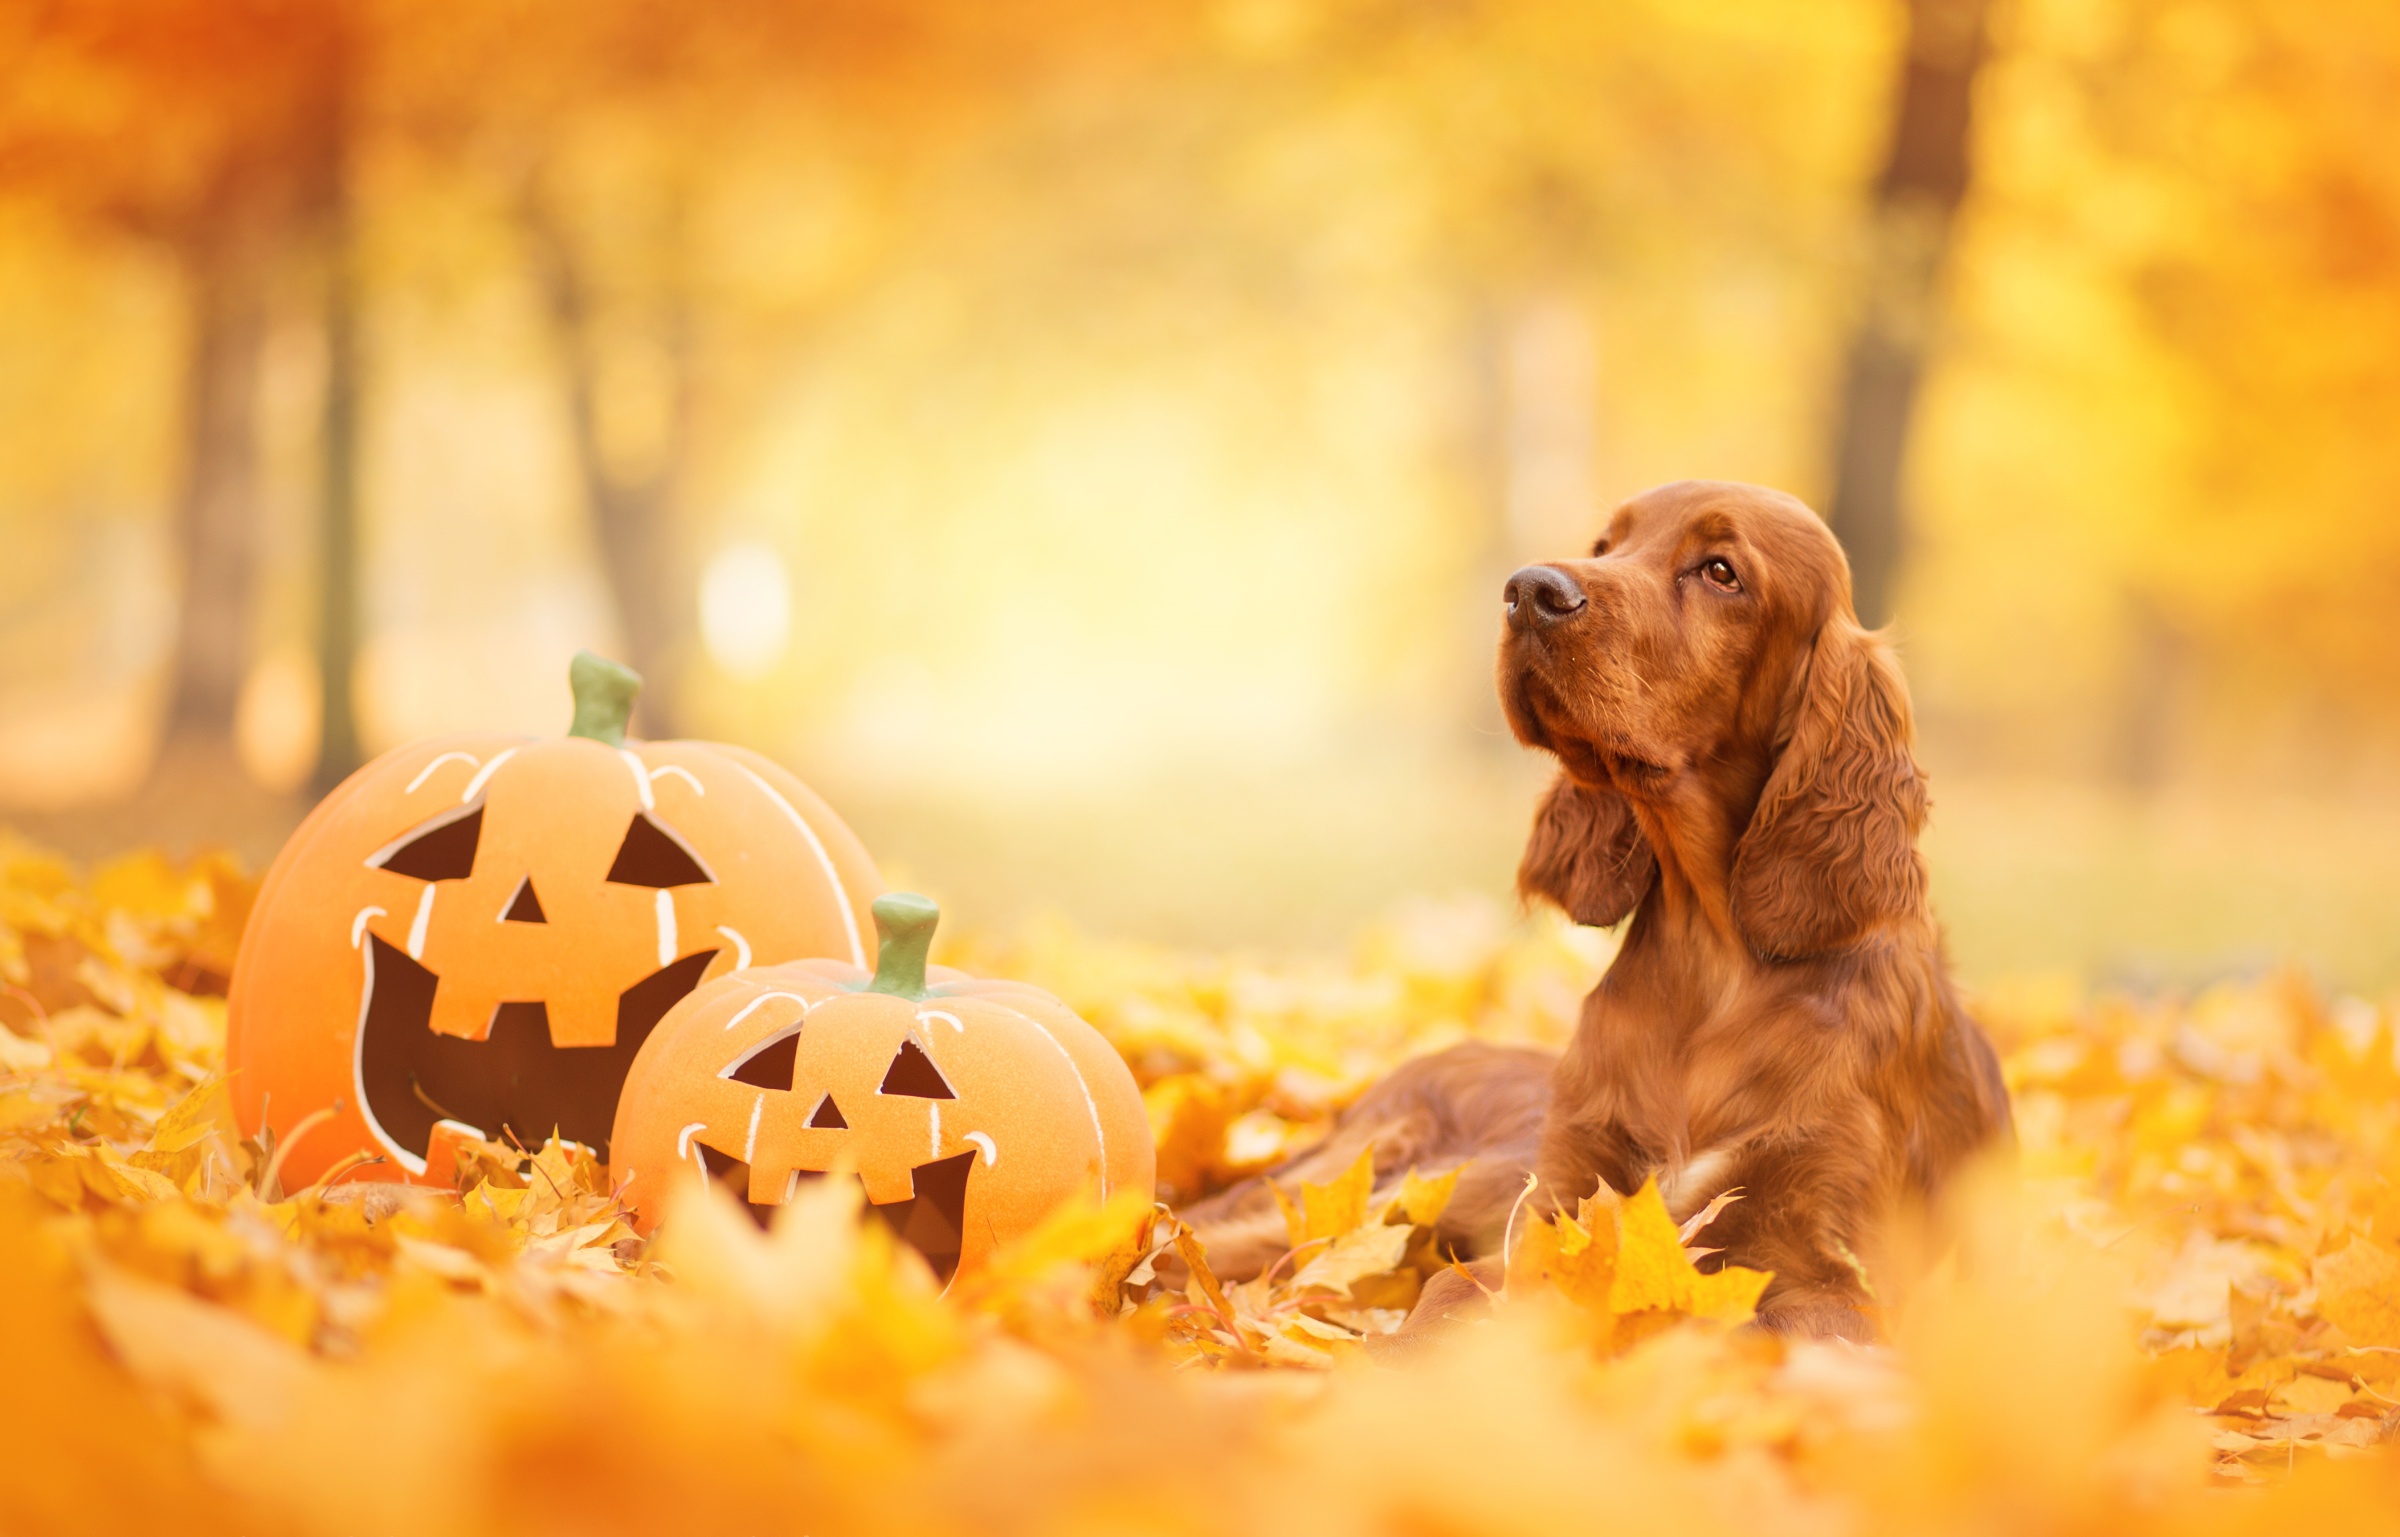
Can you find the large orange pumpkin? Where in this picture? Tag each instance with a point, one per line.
(970, 1109)
(478, 933)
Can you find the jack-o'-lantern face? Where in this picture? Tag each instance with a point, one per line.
(969, 1109)
(483, 934)
(512, 1015)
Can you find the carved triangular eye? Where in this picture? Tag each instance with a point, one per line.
(524, 907)
(827, 1116)
(442, 852)
(770, 1066)
(912, 1073)
(652, 856)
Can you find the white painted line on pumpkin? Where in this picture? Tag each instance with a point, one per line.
(1098, 1135)
(382, 856)
(733, 1069)
(426, 772)
(414, 1163)
(741, 947)
(944, 1015)
(679, 771)
(991, 1154)
(641, 777)
(746, 1008)
(358, 925)
(475, 785)
(666, 926)
(416, 930)
(758, 1107)
(683, 1138)
(934, 1109)
(841, 895)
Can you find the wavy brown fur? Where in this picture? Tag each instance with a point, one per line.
(1737, 773)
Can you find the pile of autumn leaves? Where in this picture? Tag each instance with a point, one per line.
(2187, 1317)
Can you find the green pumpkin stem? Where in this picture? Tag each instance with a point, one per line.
(604, 694)
(904, 929)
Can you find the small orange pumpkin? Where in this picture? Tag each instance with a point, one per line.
(970, 1109)
(478, 933)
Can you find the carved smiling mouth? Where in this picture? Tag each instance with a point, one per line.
(932, 1221)
(512, 1084)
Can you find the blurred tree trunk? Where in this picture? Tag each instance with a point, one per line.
(1925, 177)
(338, 749)
(631, 495)
(227, 251)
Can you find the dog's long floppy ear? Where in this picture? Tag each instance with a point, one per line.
(1587, 854)
(1832, 848)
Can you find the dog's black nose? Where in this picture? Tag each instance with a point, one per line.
(1541, 595)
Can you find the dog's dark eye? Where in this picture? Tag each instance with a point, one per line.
(1599, 548)
(1720, 575)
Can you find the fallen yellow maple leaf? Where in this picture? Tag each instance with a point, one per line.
(1340, 1204)
(1655, 1274)
(1422, 1201)
(2358, 1289)
(1367, 1250)
(1576, 1255)
(1107, 1236)
(1624, 1259)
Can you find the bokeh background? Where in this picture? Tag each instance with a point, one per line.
(1086, 440)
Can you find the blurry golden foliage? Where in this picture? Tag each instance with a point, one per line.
(2197, 1283)
(1212, 361)
(2153, 480)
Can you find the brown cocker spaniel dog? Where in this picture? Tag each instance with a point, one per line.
(1736, 775)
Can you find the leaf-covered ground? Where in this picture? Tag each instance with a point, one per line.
(2185, 1315)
